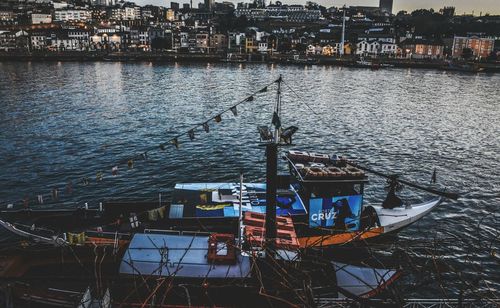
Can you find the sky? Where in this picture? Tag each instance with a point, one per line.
(467, 6)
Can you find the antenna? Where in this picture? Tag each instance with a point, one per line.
(342, 42)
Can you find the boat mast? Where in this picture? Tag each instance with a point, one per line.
(342, 41)
(278, 113)
(271, 180)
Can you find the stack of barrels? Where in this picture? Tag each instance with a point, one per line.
(314, 166)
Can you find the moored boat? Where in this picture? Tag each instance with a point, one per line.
(463, 67)
(324, 201)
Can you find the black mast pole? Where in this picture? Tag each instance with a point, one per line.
(271, 183)
(271, 188)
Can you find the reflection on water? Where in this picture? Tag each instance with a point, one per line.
(70, 120)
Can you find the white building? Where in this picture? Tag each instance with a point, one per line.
(65, 43)
(61, 41)
(240, 38)
(365, 47)
(389, 48)
(59, 5)
(72, 15)
(81, 35)
(7, 41)
(184, 39)
(7, 16)
(38, 40)
(139, 38)
(314, 50)
(126, 13)
(41, 19)
(293, 13)
(103, 2)
(262, 47)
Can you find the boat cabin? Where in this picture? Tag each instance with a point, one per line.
(330, 188)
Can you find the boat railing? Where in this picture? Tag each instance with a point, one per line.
(104, 233)
(176, 232)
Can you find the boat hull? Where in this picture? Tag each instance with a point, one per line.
(390, 221)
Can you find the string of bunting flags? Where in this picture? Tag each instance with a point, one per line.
(56, 194)
(205, 125)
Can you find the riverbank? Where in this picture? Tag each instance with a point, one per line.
(240, 58)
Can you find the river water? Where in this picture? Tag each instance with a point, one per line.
(66, 121)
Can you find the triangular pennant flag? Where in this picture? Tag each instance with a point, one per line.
(250, 98)
(263, 90)
(234, 111)
(206, 127)
(218, 118)
(276, 120)
(191, 134)
(162, 147)
(175, 142)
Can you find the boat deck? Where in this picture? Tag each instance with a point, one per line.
(182, 256)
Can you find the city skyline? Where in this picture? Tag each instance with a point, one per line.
(462, 6)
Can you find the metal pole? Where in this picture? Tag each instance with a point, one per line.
(271, 188)
(278, 111)
(240, 212)
(342, 42)
(271, 183)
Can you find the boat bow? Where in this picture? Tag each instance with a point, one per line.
(392, 220)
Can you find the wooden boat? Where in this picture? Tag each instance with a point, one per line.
(214, 207)
(371, 221)
(156, 263)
